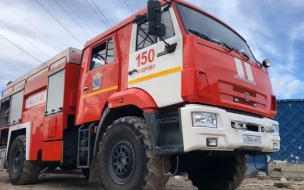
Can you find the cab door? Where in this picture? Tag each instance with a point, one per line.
(99, 79)
(150, 68)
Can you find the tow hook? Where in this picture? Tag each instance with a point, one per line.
(239, 126)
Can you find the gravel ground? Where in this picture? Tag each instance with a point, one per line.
(75, 181)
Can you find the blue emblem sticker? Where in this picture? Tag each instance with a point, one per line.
(97, 80)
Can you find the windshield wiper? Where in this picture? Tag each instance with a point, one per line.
(220, 42)
(214, 40)
(241, 53)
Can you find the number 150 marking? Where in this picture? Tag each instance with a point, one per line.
(146, 56)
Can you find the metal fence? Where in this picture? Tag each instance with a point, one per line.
(291, 120)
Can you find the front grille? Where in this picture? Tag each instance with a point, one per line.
(245, 102)
(243, 91)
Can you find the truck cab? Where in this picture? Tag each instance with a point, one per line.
(201, 65)
(194, 80)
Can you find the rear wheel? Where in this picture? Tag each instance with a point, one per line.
(21, 171)
(218, 174)
(126, 160)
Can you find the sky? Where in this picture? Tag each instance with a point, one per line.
(41, 29)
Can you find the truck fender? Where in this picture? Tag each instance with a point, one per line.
(93, 170)
(120, 99)
(98, 133)
(15, 131)
(132, 96)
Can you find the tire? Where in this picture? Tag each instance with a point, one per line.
(21, 171)
(128, 142)
(86, 172)
(220, 174)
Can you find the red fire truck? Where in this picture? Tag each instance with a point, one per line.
(169, 90)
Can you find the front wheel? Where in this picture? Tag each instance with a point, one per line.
(126, 160)
(219, 174)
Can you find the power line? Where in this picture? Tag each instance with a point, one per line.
(25, 38)
(59, 22)
(1, 71)
(78, 16)
(10, 65)
(72, 18)
(129, 6)
(28, 23)
(20, 48)
(97, 14)
(101, 12)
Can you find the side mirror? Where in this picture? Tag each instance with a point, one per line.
(155, 27)
(266, 63)
(154, 11)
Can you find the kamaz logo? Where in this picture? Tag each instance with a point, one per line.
(240, 72)
(247, 96)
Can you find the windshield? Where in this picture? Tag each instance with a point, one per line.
(197, 21)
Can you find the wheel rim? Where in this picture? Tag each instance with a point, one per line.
(122, 161)
(17, 161)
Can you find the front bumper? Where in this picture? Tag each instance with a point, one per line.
(228, 138)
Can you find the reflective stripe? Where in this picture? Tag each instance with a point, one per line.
(239, 67)
(249, 72)
(100, 91)
(156, 75)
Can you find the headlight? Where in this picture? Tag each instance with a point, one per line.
(200, 119)
(276, 130)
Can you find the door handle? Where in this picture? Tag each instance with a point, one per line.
(133, 71)
(85, 88)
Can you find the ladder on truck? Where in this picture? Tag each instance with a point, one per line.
(2, 158)
(87, 149)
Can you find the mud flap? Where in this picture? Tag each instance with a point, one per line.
(256, 164)
(94, 178)
(2, 158)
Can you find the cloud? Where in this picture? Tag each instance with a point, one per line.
(269, 34)
(288, 82)
(287, 85)
(297, 32)
(251, 28)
